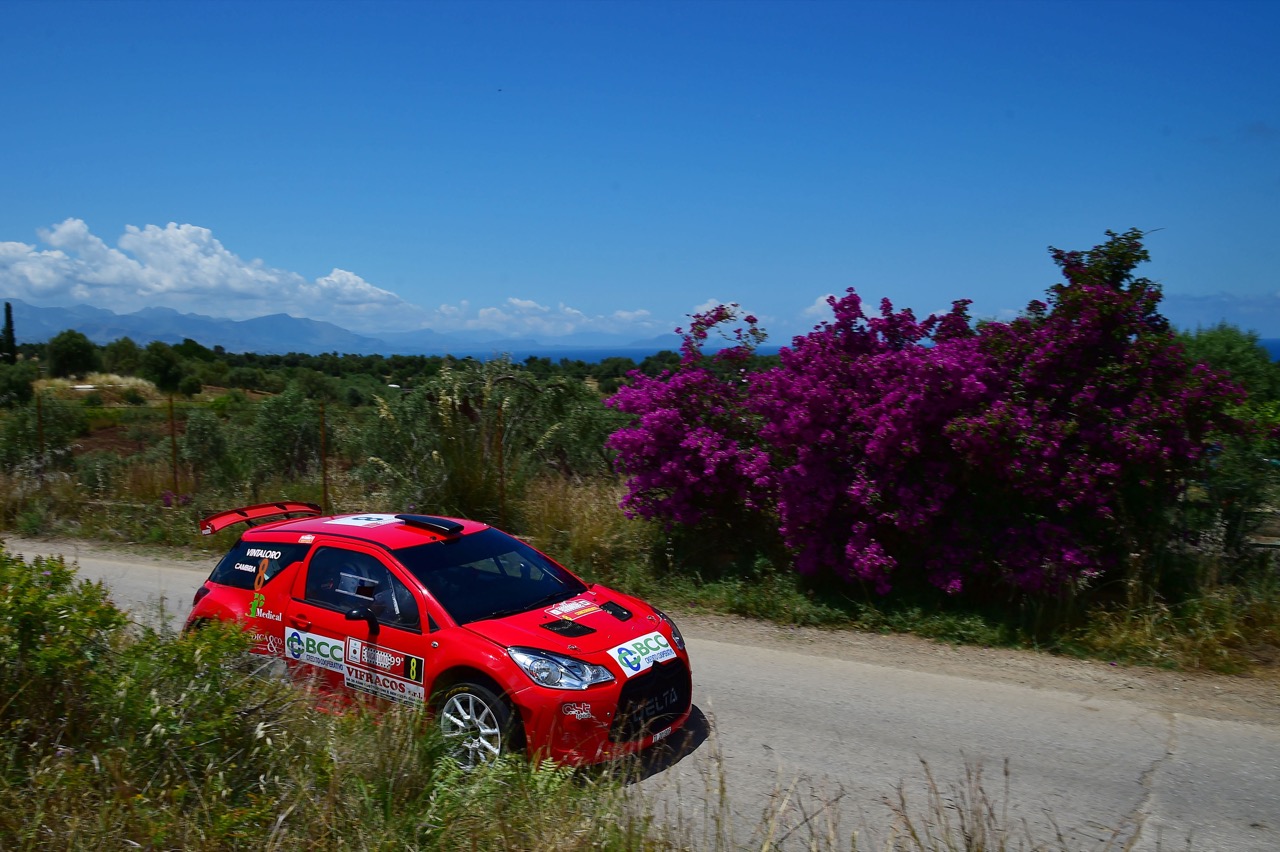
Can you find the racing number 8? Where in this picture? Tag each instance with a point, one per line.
(262, 574)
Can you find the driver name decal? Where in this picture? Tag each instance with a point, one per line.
(641, 653)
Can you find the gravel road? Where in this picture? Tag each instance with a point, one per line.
(819, 727)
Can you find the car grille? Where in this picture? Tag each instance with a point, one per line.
(652, 701)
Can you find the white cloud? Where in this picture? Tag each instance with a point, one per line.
(819, 309)
(632, 316)
(527, 318)
(186, 268)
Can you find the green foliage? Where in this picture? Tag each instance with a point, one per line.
(1239, 476)
(162, 366)
(285, 438)
(467, 440)
(191, 701)
(1228, 348)
(123, 357)
(70, 353)
(39, 434)
(190, 350)
(127, 739)
(189, 386)
(16, 383)
(8, 341)
(54, 631)
(204, 447)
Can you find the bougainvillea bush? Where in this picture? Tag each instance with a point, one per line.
(1037, 455)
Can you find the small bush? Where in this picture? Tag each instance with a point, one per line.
(54, 631)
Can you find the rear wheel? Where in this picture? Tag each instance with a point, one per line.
(477, 724)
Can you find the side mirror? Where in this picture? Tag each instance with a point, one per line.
(364, 613)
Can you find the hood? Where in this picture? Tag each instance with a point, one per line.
(597, 620)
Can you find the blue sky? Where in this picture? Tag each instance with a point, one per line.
(552, 169)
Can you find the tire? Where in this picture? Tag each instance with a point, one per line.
(477, 725)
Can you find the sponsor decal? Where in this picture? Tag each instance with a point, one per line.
(572, 610)
(259, 553)
(314, 650)
(257, 609)
(267, 643)
(383, 685)
(578, 710)
(363, 654)
(306, 539)
(364, 520)
(641, 653)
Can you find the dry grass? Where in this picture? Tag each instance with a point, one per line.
(110, 388)
(579, 521)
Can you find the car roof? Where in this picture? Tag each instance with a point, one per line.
(390, 531)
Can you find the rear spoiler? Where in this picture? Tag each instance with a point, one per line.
(253, 515)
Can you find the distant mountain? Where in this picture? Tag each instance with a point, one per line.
(281, 333)
(269, 335)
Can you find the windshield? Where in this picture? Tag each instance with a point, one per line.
(488, 574)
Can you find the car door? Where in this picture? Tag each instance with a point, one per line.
(357, 627)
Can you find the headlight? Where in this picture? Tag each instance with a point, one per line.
(675, 631)
(558, 671)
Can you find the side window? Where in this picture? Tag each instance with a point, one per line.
(345, 580)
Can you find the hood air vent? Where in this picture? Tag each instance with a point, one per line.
(616, 610)
(568, 629)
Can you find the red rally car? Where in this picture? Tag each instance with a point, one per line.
(510, 650)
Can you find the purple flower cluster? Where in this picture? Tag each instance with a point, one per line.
(1035, 454)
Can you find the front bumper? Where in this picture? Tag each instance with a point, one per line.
(608, 721)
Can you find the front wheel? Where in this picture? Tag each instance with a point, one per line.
(476, 724)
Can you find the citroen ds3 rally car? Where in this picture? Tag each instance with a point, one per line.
(509, 649)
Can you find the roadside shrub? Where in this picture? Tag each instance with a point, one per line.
(190, 713)
(55, 631)
(1028, 457)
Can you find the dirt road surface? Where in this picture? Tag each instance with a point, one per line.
(803, 732)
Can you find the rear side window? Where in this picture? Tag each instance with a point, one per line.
(253, 564)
